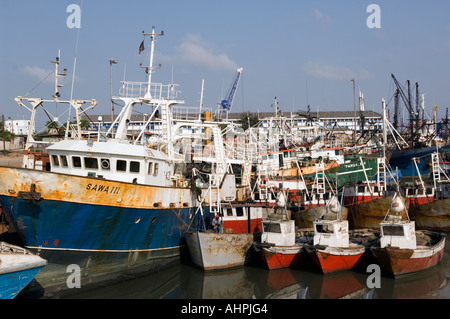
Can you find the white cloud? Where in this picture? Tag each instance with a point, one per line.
(333, 72)
(321, 17)
(328, 72)
(196, 51)
(39, 73)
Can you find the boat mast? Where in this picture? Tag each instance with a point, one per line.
(383, 103)
(151, 67)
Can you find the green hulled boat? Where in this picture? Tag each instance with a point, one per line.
(352, 171)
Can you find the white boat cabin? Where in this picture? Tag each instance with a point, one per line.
(362, 190)
(428, 191)
(285, 159)
(278, 160)
(112, 161)
(332, 154)
(241, 213)
(332, 233)
(398, 233)
(278, 233)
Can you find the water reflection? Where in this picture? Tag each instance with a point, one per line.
(185, 281)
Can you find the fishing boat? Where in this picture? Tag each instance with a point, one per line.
(369, 200)
(227, 246)
(113, 205)
(353, 169)
(215, 251)
(280, 247)
(402, 249)
(403, 160)
(18, 266)
(320, 201)
(332, 250)
(430, 202)
(291, 170)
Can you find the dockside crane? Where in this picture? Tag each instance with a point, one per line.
(227, 103)
(413, 116)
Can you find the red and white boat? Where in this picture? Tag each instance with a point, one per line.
(241, 218)
(404, 250)
(279, 247)
(332, 250)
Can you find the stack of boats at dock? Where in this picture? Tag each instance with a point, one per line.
(372, 222)
(122, 202)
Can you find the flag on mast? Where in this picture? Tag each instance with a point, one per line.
(141, 47)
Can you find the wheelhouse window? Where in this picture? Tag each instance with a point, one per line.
(393, 230)
(239, 211)
(325, 229)
(76, 161)
(64, 162)
(155, 170)
(272, 227)
(55, 160)
(121, 165)
(230, 212)
(134, 167)
(91, 163)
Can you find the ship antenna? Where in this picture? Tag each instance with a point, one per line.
(73, 77)
(151, 67)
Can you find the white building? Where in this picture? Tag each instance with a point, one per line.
(18, 127)
(338, 119)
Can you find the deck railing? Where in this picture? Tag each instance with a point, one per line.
(140, 89)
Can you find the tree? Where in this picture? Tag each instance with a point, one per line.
(248, 120)
(8, 136)
(85, 125)
(51, 125)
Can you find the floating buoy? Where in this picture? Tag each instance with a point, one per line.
(281, 199)
(334, 205)
(397, 205)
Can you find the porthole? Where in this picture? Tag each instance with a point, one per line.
(105, 163)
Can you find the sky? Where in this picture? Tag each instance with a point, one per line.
(301, 52)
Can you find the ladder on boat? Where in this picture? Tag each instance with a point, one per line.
(320, 179)
(435, 169)
(165, 120)
(381, 171)
(219, 151)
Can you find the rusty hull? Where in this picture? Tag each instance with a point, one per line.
(434, 215)
(370, 214)
(89, 190)
(305, 218)
(305, 171)
(214, 251)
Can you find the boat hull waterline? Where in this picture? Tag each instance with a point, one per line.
(335, 259)
(396, 261)
(214, 251)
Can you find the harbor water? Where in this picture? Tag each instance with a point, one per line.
(185, 281)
